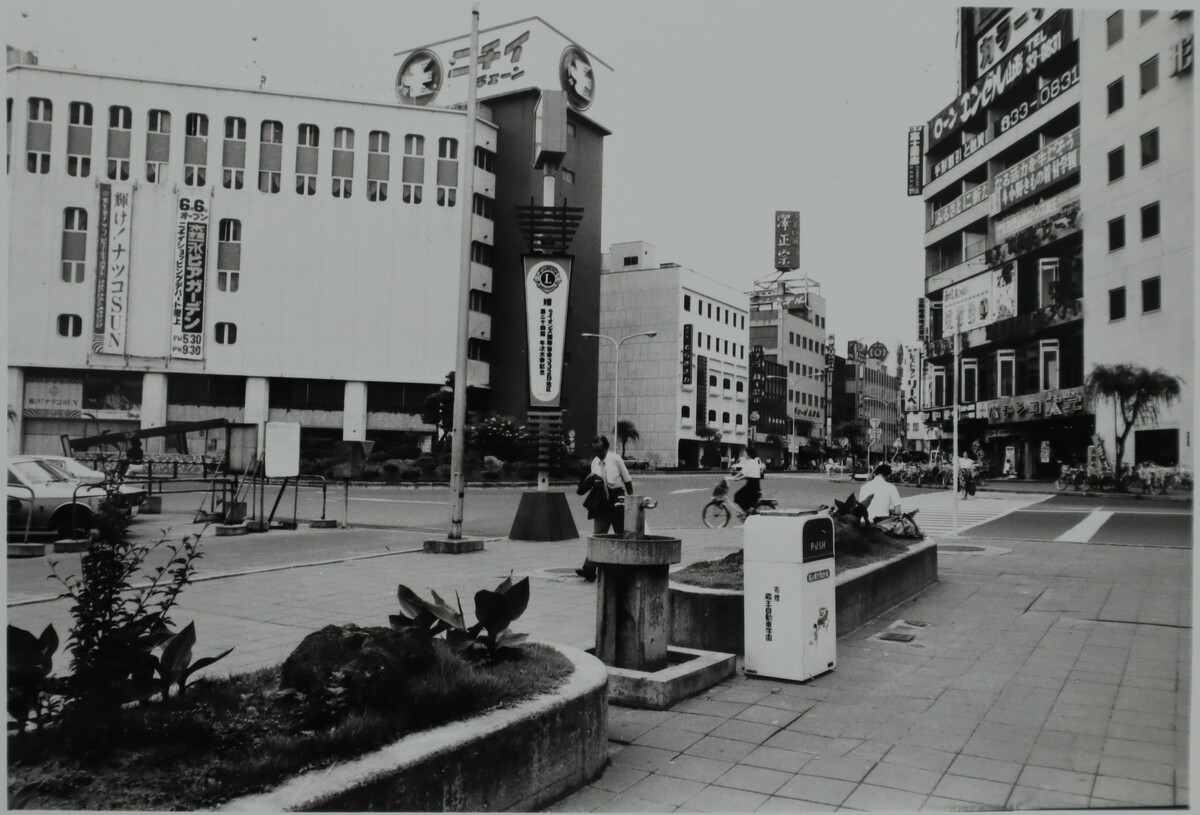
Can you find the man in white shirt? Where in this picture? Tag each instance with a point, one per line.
(884, 497)
(610, 478)
(750, 469)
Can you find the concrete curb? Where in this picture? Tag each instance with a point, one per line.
(518, 758)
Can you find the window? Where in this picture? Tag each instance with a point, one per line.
(195, 150)
(712, 416)
(710, 311)
(478, 350)
(484, 207)
(568, 176)
(685, 412)
(938, 385)
(738, 420)
(229, 254)
(1151, 294)
(120, 126)
(1116, 164)
(1116, 96)
(343, 161)
(712, 380)
(447, 172)
(270, 157)
(725, 417)
(480, 301)
(687, 302)
(1146, 15)
(1116, 28)
(158, 145)
(69, 325)
(1150, 147)
(74, 244)
(741, 386)
(413, 171)
(1116, 233)
(1048, 363)
(1116, 304)
(79, 140)
(726, 383)
(1150, 221)
(485, 159)
(379, 165)
(481, 253)
(37, 149)
(1047, 278)
(1149, 74)
(1006, 373)
(225, 333)
(233, 154)
(307, 140)
(197, 125)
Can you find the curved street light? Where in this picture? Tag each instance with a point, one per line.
(617, 365)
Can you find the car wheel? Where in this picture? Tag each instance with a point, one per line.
(72, 525)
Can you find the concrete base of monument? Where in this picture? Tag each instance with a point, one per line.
(323, 523)
(689, 671)
(228, 530)
(446, 546)
(543, 516)
(26, 549)
(67, 545)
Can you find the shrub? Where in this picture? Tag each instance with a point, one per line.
(494, 612)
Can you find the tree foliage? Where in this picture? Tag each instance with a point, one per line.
(1138, 393)
(438, 410)
(627, 432)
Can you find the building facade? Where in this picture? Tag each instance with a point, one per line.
(871, 397)
(787, 321)
(686, 390)
(1057, 140)
(181, 251)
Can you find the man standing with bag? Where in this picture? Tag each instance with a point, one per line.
(606, 486)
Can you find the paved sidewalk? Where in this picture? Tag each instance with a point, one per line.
(1046, 675)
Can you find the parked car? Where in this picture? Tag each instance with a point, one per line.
(632, 463)
(131, 496)
(46, 497)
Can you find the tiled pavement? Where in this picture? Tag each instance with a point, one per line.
(1047, 675)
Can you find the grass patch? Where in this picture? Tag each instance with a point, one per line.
(231, 737)
(855, 546)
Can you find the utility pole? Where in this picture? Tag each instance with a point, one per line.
(954, 420)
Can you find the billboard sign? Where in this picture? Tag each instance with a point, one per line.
(1052, 228)
(1010, 226)
(547, 284)
(113, 242)
(191, 258)
(1034, 173)
(787, 240)
(523, 55)
(1045, 43)
(916, 148)
(686, 359)
(1003, 36)
(101, 396)
(980, 300)
(971, 143)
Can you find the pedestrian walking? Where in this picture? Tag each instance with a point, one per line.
(606, 486)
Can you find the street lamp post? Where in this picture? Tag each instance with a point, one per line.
(887, 402)
(617, 366)
(791, 415)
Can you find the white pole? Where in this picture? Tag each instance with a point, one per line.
(954, 420)
(616, 384)
(458, 434)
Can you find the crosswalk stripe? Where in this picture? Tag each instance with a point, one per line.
(1082, 532)
(936, 516)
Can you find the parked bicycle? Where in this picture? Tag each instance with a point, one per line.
(721, 508)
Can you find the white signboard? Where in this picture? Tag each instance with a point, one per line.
(980, 300)
(1007, 227)
(191, 259)
(547, 284)
(113, 243)
(512, 57)
(282, 453)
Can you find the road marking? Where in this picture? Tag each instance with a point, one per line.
(694, 489)
(1082, 532)
(936, 514)
(400, 501)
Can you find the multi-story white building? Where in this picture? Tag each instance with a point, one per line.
(179, 251)
(1060, 227)
(691, 376)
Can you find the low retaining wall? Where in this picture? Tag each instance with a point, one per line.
(713, 619)
(519, 758)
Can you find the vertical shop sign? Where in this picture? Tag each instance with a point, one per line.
(916, 146)
(113, 268)
(686, 361)
(191, 259)
(702, 392)
(787, 240)
(920, 319)
(547, 285)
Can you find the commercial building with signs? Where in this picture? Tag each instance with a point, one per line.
(1060, 228)
(690, 382)
(787, 321)
(871, 397)
(180, 251)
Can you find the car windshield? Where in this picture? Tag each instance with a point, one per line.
(39, 472)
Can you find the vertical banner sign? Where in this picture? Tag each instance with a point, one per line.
(787, 240)
(686, 361)
(921, 319)
(830, 352)
(916, 146)
(112, 268)
(702, 392)
(547, 284)
(191, 257)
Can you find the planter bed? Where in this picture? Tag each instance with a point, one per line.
(518, 758)
(713, 619)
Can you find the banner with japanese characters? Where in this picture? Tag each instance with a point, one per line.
(191, 260)
(1033, 174)
(113, 242)
(547, 285)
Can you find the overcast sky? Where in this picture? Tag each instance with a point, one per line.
(724, 112)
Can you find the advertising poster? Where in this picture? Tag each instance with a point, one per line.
(1031, 175)
(547, 284)
(98, 396)
(113, 242)
(191, 259)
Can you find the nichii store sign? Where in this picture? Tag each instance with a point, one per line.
(547, 284)
(191, 258)
(112, 268)
(1042, 45)
(1031, 175)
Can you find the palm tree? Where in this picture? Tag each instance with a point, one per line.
(626, 433)
(1137, 392)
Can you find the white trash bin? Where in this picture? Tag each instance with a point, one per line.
(790, 595)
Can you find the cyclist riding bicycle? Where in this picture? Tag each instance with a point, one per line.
(750, 469)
